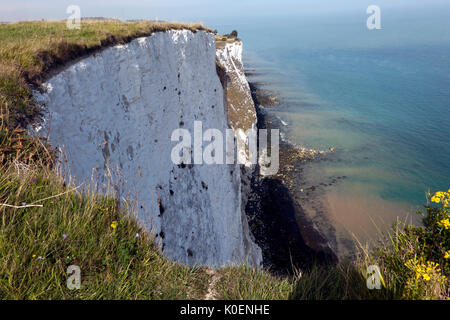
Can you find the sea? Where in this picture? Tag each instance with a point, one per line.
(380, 99)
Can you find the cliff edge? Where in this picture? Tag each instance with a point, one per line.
(113, 113)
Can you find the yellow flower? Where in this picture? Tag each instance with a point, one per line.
(34, 256)
(441, 197)
(427, 272)
(447, 255)
(114, 224)
(435, 199)
(445, 223)
(447, 202)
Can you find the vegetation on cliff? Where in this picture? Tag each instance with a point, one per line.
(47, 224)
(30, 50)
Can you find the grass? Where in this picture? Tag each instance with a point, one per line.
(416, 260)
(222, 40)
(346, 281)
(74, 227)
(245, 283)
(37, 244)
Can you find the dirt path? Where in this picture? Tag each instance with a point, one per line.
(211, 293)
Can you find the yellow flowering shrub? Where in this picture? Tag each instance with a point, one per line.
(445, 223)
(428, 272)
(447, 255)
(442, 197)
(419, 258)
(427, 279)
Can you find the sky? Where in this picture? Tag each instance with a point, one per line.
(191, 10)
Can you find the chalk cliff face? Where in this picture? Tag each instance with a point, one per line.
(241, 109)
(115, 112)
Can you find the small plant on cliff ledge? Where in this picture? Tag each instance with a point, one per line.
(232, 35)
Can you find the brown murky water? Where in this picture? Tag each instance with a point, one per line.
(350, 213)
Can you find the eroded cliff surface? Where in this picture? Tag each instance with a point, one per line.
(113, 114)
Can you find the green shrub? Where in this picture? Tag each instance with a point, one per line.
(416, 261)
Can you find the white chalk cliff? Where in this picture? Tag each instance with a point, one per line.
(241, 109)
(116, 110)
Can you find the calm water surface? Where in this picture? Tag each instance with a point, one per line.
(381, 98)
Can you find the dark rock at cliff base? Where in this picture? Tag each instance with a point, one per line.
(274, 223)
(281, 228)
(263, 97)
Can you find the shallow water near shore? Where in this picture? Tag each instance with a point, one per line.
(380, 98)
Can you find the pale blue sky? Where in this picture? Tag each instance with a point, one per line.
(191, 10)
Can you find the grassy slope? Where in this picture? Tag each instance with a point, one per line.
(37, 244)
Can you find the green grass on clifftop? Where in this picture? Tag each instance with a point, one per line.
(30, 50)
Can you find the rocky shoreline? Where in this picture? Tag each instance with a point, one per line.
(288, 239)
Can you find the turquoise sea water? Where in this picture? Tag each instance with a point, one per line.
(381, 98)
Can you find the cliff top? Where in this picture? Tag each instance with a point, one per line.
(30, 50)
(222, 40)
